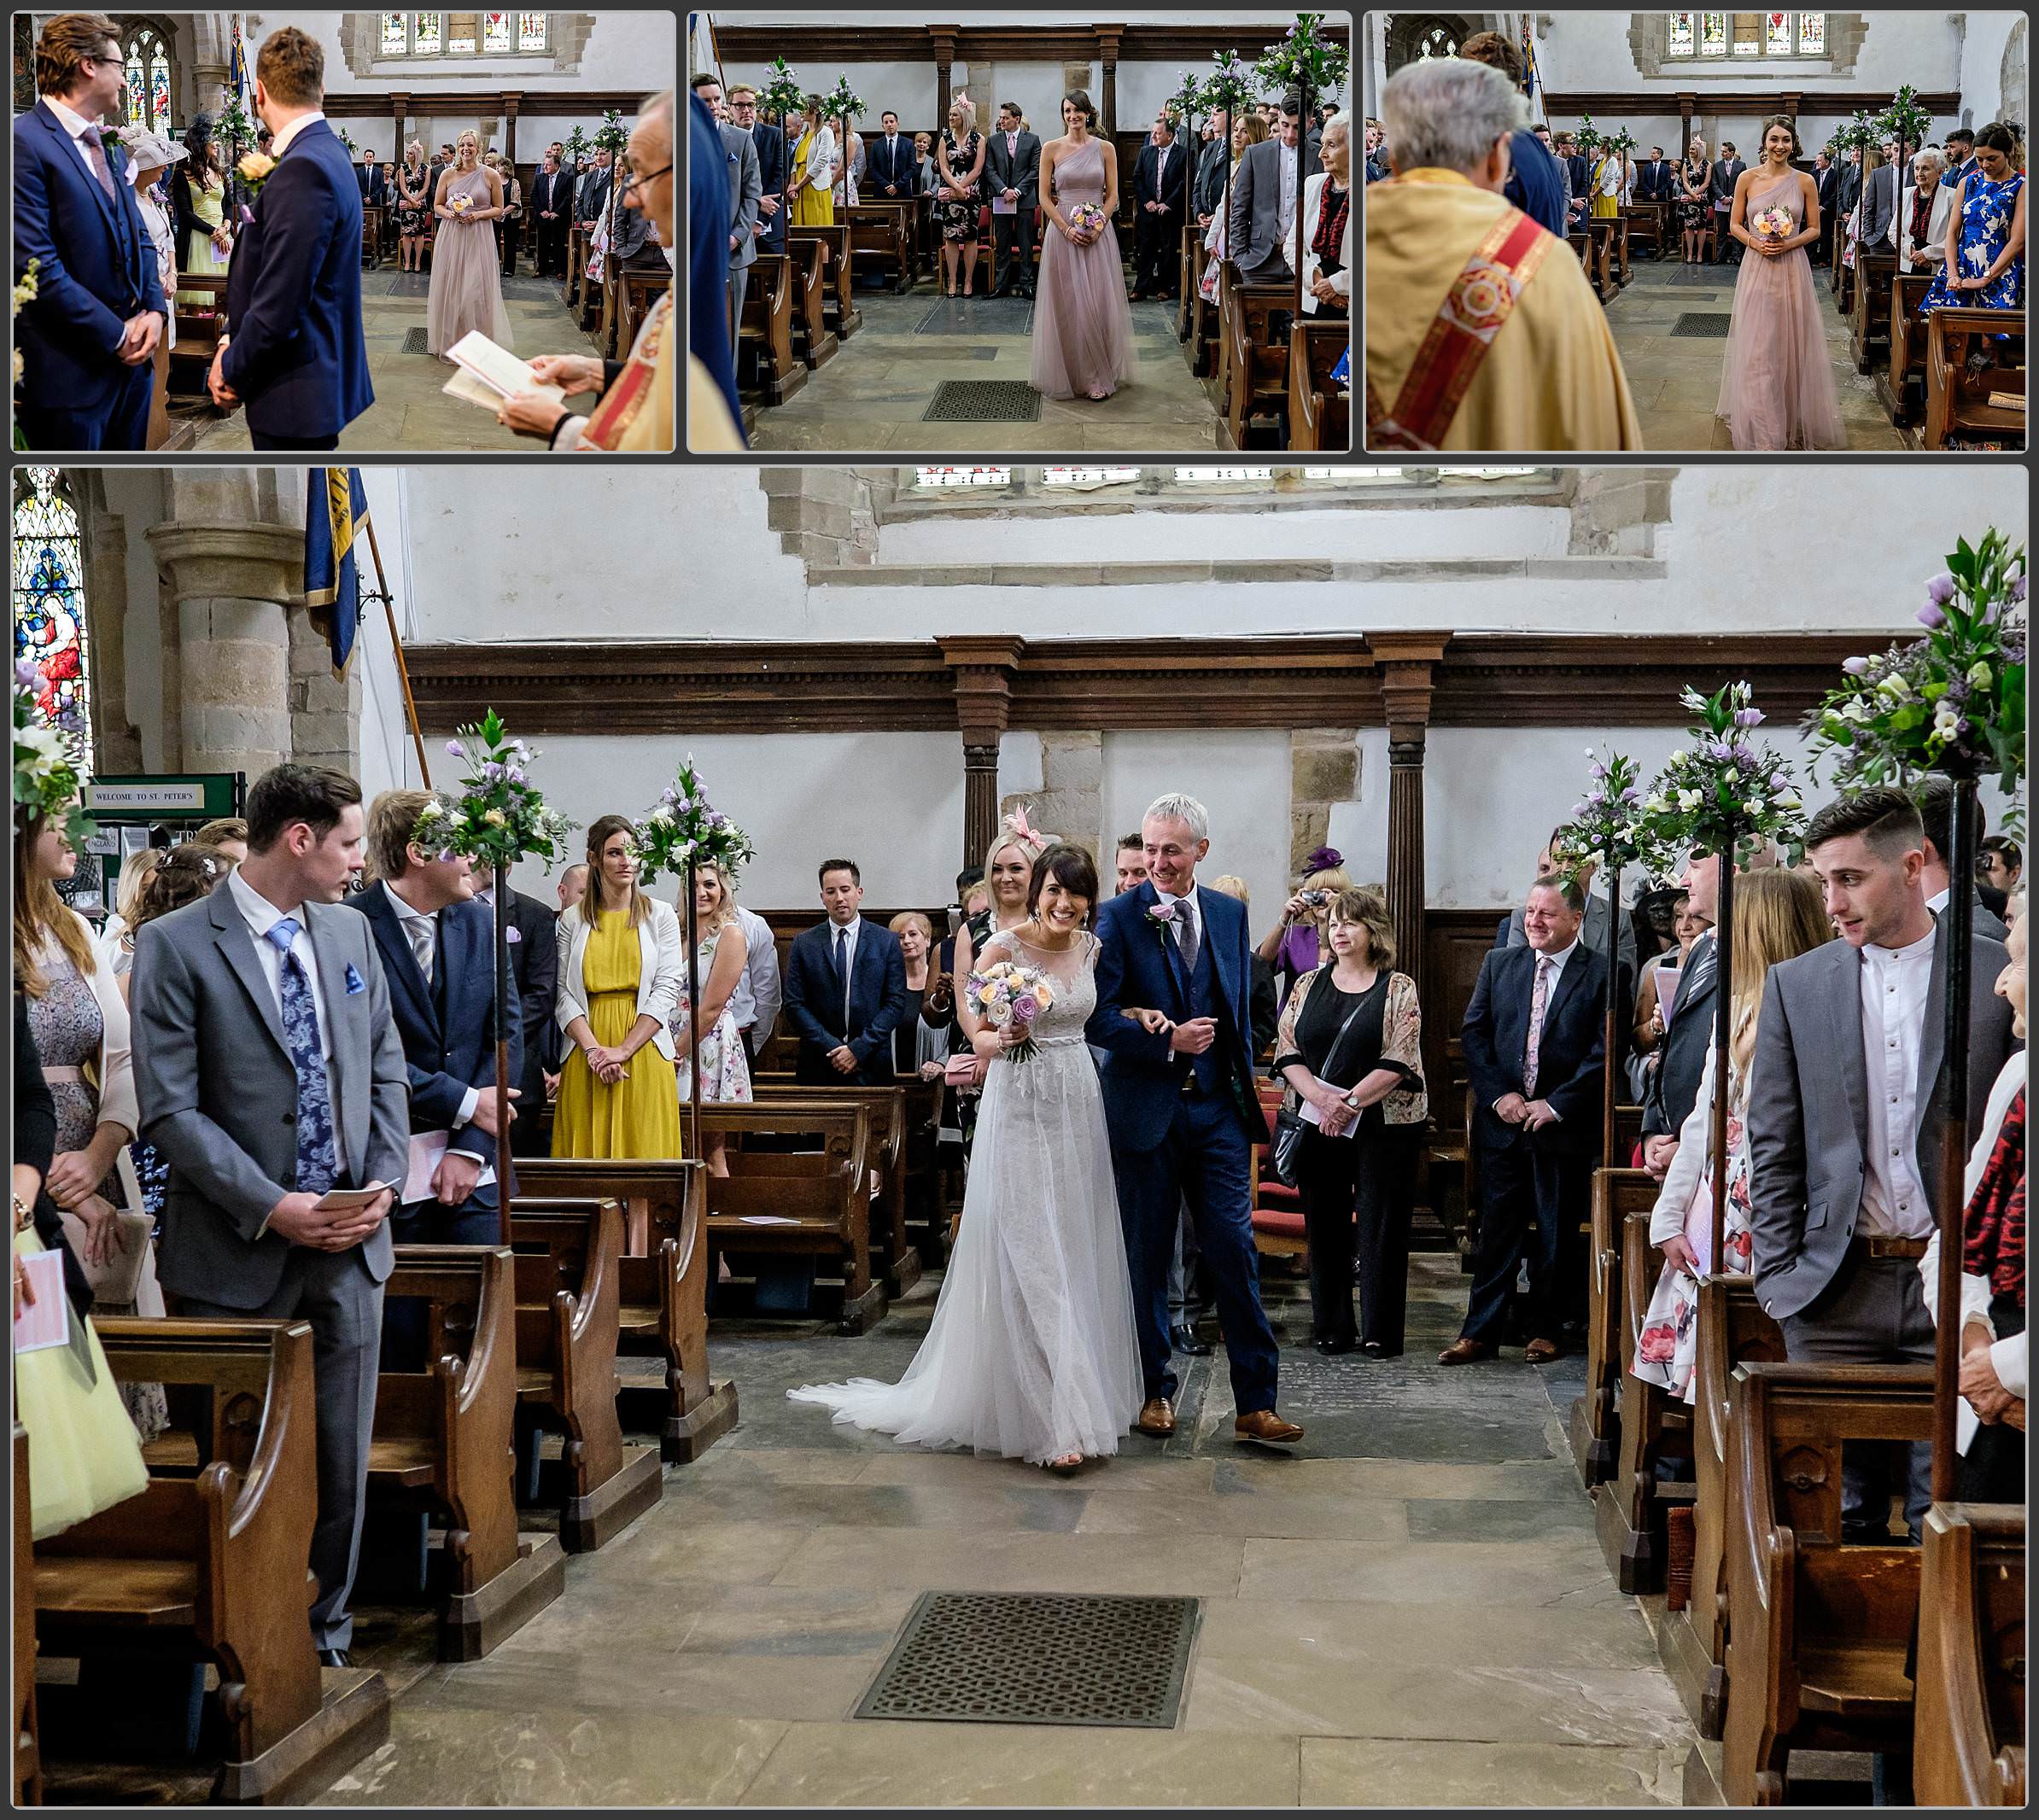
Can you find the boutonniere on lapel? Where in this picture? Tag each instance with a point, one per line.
(253, 170)
(110, 141)
(354, 981)
(513, 934)
(1160, 917)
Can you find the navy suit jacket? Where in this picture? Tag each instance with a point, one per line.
(1535, 186)
(1139, 964)
(902, 168)
(294, 295)
(1173, 190)
(95, 267)
(374, 186)
(879, 1003)
(448, 1027)
(1569, 1055)
(771, 174)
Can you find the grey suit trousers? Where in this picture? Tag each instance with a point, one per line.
(343, 1304)
(1873, 1313)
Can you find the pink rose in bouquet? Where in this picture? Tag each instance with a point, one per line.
(1088, 220)
(1774, 224)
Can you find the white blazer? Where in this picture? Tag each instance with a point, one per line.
(1936, 231)
(117, 1104)
(661, 971)
(1341, 280)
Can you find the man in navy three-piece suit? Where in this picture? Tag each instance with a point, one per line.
(846, 989)
(87, 341)
(1182, 1110)
(293, 351)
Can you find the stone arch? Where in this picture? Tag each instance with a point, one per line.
(1414, 35)
(2011, 79)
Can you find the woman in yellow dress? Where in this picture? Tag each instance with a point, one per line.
(198, 202)
(621, 969)
(814, 168)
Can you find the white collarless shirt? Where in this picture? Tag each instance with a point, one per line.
(261, 916)
(1894, 983)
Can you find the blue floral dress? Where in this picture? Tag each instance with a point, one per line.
(1987, 212)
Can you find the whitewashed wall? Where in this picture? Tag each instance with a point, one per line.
(1583, 49)
(625, 49)
(1983, 71)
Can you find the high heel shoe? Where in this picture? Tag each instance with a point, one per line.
(1066, 1467)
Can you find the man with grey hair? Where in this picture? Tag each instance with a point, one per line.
(1525, 360)
(1182, 1110)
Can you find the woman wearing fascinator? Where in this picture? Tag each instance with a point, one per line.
(1031, 1353)
(1295, 945)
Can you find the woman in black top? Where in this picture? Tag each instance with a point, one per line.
(1351, 1050)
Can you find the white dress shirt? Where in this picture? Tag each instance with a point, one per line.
(280, 143)
(421, 930)
(1289, 161)
(844, 935)
(261, 916)
(1894, 986)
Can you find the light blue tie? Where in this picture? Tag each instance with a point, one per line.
(318, 1156)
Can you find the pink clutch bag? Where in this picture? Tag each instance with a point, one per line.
(960, 1070)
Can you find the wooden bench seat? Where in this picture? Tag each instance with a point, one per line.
(1320, 408)
(215, 1566)
(446, 1438)
(567, 1254)
(1253, 379)
(1595, 1423)
(661, 1281)
(1869, 315)
(813, 340)
(890, 1126)
(766, 366)
(882, 239)
(1969, 1738)
(838, 302)
(1818, 1627)
(1900, 382)
(1957, 401)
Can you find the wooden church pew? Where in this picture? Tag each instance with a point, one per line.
(890, 1122)
(568, 1253)
(821, 1195)
(1256, 366)
(197, 332)
(638, 291)
(1319, 409)
(28, 1762)
(814, 342)
(1900, 382)
(881, 236)
(838, 300)
(212, 1565)
(1595, 1425)
(1957, 401)
(1869, 315)
(765, 334)
(445, 1437)
(661, 1278)
(1733, 1330)
(1819, 1630)
(1969, 1741)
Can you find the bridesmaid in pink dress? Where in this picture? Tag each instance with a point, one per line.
(1777, 384)
(1083, 321)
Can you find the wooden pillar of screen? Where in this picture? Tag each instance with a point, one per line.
(399, 113)
(1686, 103)
(1406, 664)
(509, 105)
(945, 60)
(983, 669)
(1107, 54)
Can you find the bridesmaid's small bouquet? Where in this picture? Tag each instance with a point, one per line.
(1006, 996)
(1088, 220)
(460, 204)
(1774, 224)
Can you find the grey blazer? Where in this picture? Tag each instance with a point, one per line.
(1879, 208)
(1254, 232)
(219, 1093)
(1809, 1108)
(746, 186)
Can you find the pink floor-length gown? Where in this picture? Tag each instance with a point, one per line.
(1083, 321)
(1777, 383)
(466, 289)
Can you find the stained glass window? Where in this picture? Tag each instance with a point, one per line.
(1438, 42)
(159, 91)
(136, 90)
(1777, 34)
(1712, 34)
(530, 30)
(495, 31)
(1811, 34)
(397, 38)
(48, 583)
(962, 476)
(426, 38)
(1682, 34)
(1092, 475)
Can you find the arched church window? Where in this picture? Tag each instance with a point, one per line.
(1416, 35)
(531, 32)
(497, 35)
(146, 53)
(50, 611)
(462, 34)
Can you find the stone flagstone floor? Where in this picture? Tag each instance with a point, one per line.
(874, 392)
(1411, 1610)
(1676, 381)
(411, 413)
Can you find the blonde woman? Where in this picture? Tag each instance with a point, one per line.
(719, 962)
(1008, 878)
(413, 209)
(959, 159)
(813, 167)
(116, 937)
(920, 1043)
(466, 289)
(1249, 129)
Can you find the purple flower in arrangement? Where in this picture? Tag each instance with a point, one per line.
(516, 775)
(1941, 589)
(1721, 748)
(1856, 666)
(1748, 717)
(455, 749)
(1932, 617)
(1631, 795)
(2015, 592)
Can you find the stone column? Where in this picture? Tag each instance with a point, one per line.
(1406, 662)
(984, 668)
(116, 741)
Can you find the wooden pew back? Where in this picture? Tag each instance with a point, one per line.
(567, 1297)
(1970, 1742)
(1256, 366)
(813, 340)
(28, 1761)
(892, 1118)
(1869, 318)
(1957, 401)
(838, 294)
(1319, 409)
(882, 232)
(1596, 1417)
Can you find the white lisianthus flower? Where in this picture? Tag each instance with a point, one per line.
(1946, 720)
(1688, 799)
(1788, 801)
(494, 818)
(1978, 673)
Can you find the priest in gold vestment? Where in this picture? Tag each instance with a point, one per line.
(1482, 330)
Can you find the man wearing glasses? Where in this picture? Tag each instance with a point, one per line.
(87, 340)
(770, 140)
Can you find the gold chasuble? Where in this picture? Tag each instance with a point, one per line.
(636, 412)
(1482, 330)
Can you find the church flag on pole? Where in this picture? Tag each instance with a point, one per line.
(336, 510)
(1528, 57)
(237, 69)
(701, 51)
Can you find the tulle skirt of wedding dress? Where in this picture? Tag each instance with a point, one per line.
(1031, 1353)
(1777, 382)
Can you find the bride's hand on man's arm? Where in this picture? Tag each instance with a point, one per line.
(1154, 1023)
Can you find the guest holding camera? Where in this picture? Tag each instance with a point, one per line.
(1294, 946)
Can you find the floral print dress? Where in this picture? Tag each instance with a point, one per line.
(1987, 212)
(725, 1074)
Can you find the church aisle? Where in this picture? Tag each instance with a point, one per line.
(1675, 379)
(874, 392)
(1412, 1610)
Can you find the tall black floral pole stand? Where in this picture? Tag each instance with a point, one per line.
(1959, 937)
(1716, 1137)
(693, 1016)
(1610, 859)
(505, 1176)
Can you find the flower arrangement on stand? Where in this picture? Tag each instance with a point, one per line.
(234, 129)
(1225, 91)
(680, 833)
(780, 95)
(1954, 702)
(1311, 64)
(25, 292)
(1906, 122)
(47, 753)
(844, 104)
(499, 818)
(1725, 793)
(1610, 827)
(576, 145)
(613, 137)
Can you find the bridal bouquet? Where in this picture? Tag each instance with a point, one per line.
(1088, 220)
(1006, 994)
(1776, 224)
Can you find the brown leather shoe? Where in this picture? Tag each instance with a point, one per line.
(1263, 1424)
(1465, 1351)
(1542, 1351)
(1156, 1417)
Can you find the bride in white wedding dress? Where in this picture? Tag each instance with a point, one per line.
(1031, 1353)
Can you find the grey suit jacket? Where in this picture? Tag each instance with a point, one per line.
(1253, 232)
(1809, 1108)
(746, 186)
(218, 1092)
(1021, 172)
(1879, 206)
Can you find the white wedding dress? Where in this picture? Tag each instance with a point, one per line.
(1031, 1353)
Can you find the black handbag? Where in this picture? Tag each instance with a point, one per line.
(1287, 1147)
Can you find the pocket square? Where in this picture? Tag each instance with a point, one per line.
(513, 934)
(354, 981)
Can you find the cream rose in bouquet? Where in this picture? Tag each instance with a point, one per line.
(1088, 220)
(1774, 224)
(1008, 996)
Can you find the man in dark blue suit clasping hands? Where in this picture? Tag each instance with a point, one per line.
(846, 989)
(293, 351)
(87, 340)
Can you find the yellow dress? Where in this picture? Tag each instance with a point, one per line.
(83, 1454)
(812, 206)
(208, 199)
(639, 1116)
(1605, 207)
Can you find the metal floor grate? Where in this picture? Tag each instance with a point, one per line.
(984, 401)
(1040, 1658)
(1702, 325)
(415, 341)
